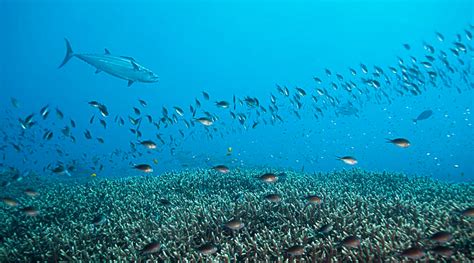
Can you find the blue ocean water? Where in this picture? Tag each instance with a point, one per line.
(237, 48)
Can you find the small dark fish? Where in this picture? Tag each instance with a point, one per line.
(48, 135)
(468, 212)
(151, 248)
(9, 201)
(364, 68)
(426, 64)
(142, 102)
(31, 192)
(205, 95)
(221, 169)
(149, 144)
(17, 147)
(29, 118)
(207, 249)
(30, 211)
(406, 46)
(351, 242)
(103, 110)
(163, 201)
(137, 111)
(314, 199)
(274, 198)
(44, 112)
(222, 104)
(400, 142)
(295, 251)
(179, 111)
(301, 91)
(99, 220)
(100, 140)
(59, 169)
(17, 177)
(413, 253)
(150, 118)
(164, 111)
(423, 116)
(14, 102)
(144, 168)
(325, 229)
(205, 121)
(348, 160)
(94, 104)
(60, 114)
(443, 251)
(353, 71)
(234, 225)
(87, 134)
(103, 123)
(133, 121)
(439, 36)
(269, 178)
(66, 131)
(441, 237)
(468, 35)
(328, 72)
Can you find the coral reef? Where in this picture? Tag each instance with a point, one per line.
(208, 216)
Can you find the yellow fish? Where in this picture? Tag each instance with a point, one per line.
(93, 175)
(229, 151)
(155, 161)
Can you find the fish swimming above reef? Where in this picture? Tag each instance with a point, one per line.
(423, 116)
(123, 67)
(400, 142)
(347, 109)
(348, 160)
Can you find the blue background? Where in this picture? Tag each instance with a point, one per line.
(242, 48)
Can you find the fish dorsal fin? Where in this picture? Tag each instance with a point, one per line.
(130, 82)
(135, 66)
(132, 59)
(106, 51)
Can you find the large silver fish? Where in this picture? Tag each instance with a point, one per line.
(119, 66)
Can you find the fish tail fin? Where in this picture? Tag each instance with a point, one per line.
(388, 140)
(414, 121)
(69, 53)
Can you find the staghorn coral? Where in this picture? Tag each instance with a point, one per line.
(183, 216)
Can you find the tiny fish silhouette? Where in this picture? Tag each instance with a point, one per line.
(423, 116)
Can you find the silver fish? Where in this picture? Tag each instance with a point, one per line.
(119, 66)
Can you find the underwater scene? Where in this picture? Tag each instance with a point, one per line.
(237, 131)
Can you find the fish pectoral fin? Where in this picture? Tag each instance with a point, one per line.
(106, 51)
(130, 82)
(135, 66)
(97, 71)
